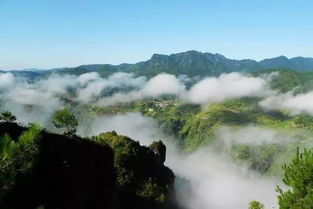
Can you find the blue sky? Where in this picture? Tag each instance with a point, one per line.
(57, 33)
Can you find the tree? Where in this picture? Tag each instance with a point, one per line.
(65, 119)
(256, 205)
(7, 116)
(18, 157)
(298, 176)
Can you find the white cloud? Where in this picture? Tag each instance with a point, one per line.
(92, 85)
(250, 135)
(163, 84)
(92, 88)
(302, 103)
(6, 80)
(226, 86)
(87, 77)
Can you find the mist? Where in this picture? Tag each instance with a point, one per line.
(250, 135)
(227, 86)
(216, 182)
(294, 104)
(49, 94)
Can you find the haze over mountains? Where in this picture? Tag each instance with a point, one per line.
(191, 63)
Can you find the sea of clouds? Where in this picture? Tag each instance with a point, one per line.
(215, 181)
(18, 94)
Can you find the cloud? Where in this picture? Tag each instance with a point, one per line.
(250, 135)
(295, 104)
(84, 79)
(6, 80)
(93, 85)
(227, 86)
(133, 125)
(208, 90)
(91, 91)
(162, 84)
(124, 88)
(216, 182)
(34, 102)
(23, 98)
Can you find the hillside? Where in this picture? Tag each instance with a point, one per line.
(45, 170)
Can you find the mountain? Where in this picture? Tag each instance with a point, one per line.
(194, 63)
(296, 63)
(191, 63)
(31, 75)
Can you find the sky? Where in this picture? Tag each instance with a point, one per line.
(58, 33)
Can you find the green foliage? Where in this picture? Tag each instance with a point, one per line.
(65, 119)
(17, 157)
(199, 129)
(170, 114)
(258, 157)
(256, 205)
(173, 118)
(28, 137)
(103, 70)
(138, 169)
(150, 190)
(306, 81)
(303, 121)
(285, 81)
(7, 116)
(6, 147)
(288, 80)
(124, 151)
(298, 175)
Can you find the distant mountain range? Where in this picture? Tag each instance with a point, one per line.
(191, 63)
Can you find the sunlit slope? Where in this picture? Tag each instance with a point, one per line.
(199, 129)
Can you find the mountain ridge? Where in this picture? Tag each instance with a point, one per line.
(191, 63)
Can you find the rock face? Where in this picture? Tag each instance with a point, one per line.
(159, 150)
